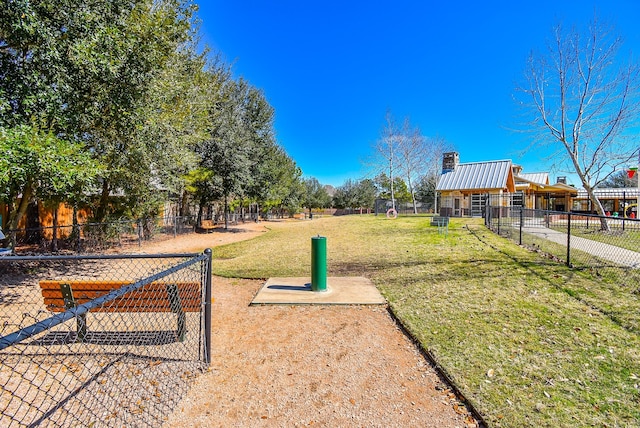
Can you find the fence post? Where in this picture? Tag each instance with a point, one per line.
(569, 239)
(207, 308)
(487, 217)
(521, 222)
(139, 232)
(76, 232)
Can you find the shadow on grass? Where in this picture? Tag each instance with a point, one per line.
(578, 275)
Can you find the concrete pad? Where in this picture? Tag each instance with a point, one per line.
(297, 291)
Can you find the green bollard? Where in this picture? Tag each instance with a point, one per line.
(319, 263)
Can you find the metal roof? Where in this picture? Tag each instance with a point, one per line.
(476, 175)
(622, 192)
(535, 177)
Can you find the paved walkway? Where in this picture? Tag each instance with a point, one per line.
(604, 251)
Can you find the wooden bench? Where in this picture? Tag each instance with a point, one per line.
(176, 297)
(207, 225)
(439, 221)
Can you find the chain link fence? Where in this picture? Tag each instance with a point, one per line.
(381, 206)
(101, 340)
(579, 240)
(97, 237)
(602, 251)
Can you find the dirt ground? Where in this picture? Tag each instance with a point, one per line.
(277, 366)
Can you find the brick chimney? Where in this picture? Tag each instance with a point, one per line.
(450, 161)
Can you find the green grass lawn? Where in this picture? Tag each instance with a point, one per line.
(612, 289)
(508, 326)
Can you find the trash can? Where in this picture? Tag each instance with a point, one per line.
(319, 263)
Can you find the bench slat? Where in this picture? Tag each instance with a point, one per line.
(119, 305)
(108, 285)
(59, 307)
(150, 298)
(134, 295)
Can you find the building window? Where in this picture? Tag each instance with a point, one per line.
(518, 199)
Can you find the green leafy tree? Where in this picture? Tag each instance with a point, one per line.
(355, 194)
(175, 122)
(241, 151)
(84, 71)
(425, 189)
(315, 195)
(128, 58)
(366, 193)
(202, 184)
(277, 181)
(37, 164)
(399, 187)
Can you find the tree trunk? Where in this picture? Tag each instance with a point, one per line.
(595, 202)
(75, 234)
(54, 232)
(101, 212)
(16, 216)
(413, 194)
(226, 212)
(33, 226)
(184, 204)
(200, 210)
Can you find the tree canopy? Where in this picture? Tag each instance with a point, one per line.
(113, 97)
(356, 194)
(38, 164)
(315, 195)
(405, 156)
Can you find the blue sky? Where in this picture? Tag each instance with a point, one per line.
(332, 69)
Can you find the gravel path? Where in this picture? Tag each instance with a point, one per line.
(277, 366)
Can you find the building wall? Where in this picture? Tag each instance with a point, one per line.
(447, 205)
(529, 199)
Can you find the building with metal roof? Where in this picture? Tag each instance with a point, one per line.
(534, 177)
(478, 176)
(464, 187)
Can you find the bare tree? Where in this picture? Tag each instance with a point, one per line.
(418, 155)
(404, 153)
(436, 147)
(412, 153)
(386, 150)
(584, 100)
